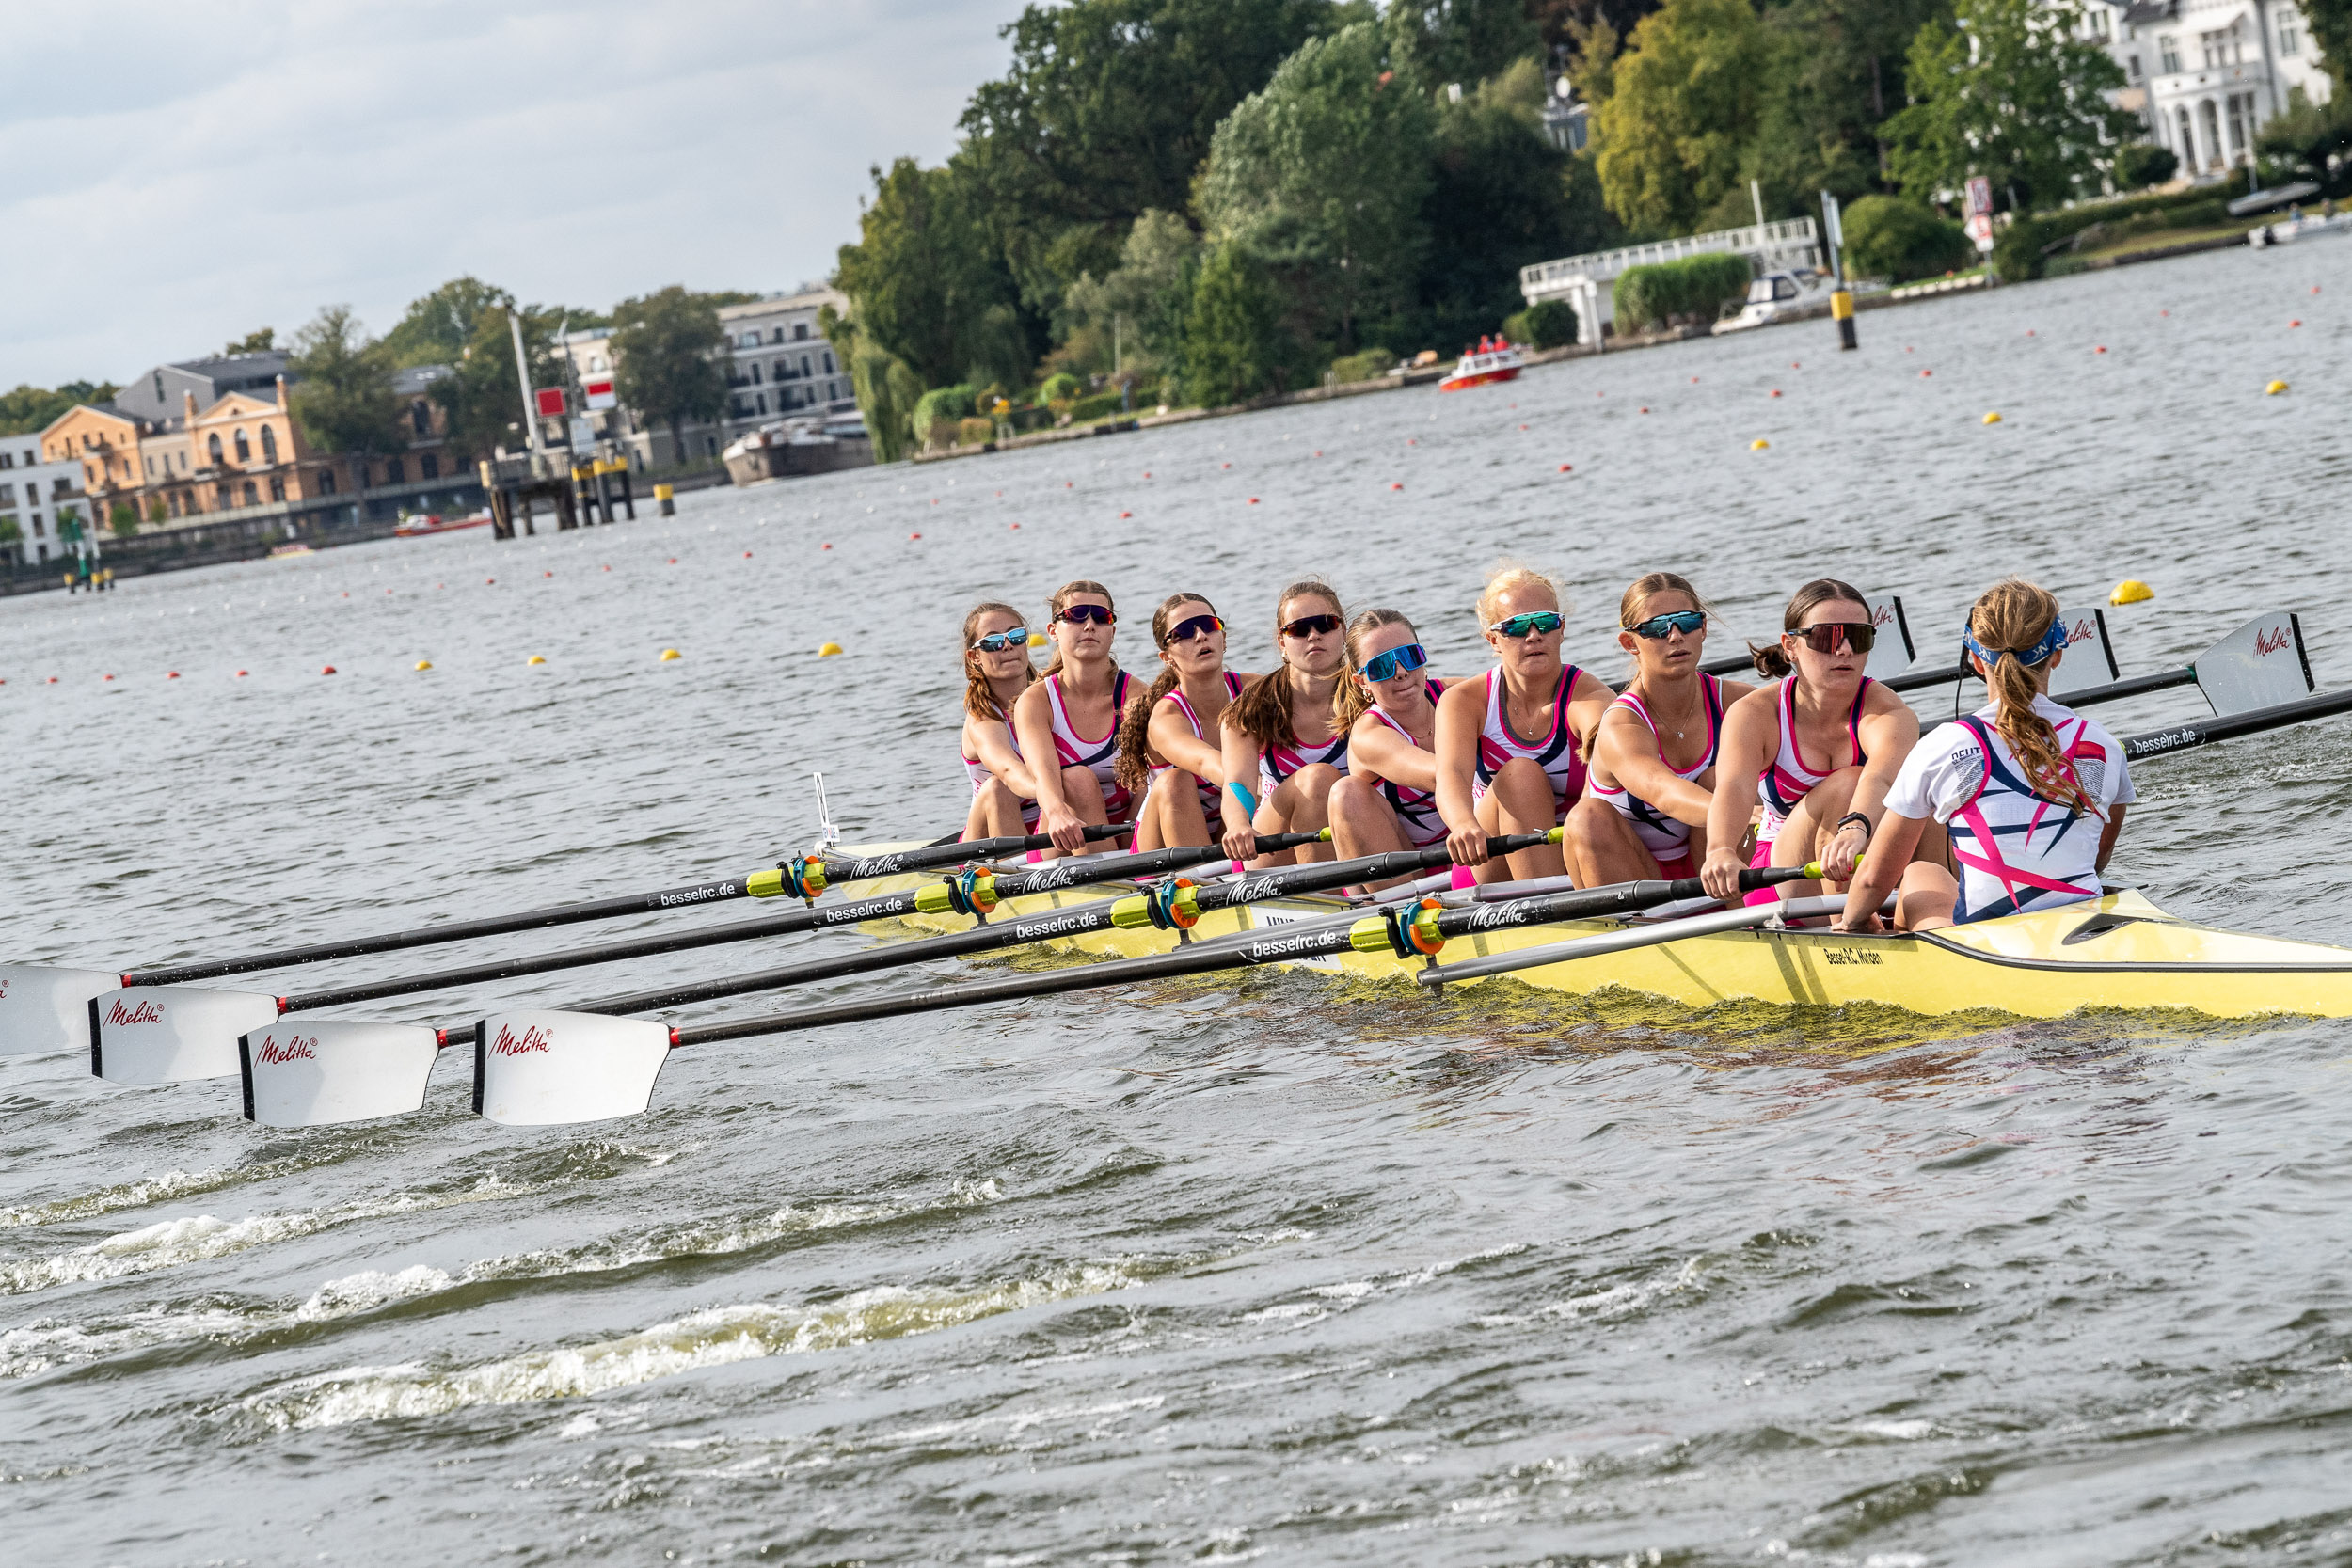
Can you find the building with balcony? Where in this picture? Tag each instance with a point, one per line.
(2206, 75)
(35, 494)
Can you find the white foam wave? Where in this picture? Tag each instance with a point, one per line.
(712, 1338)
(1623, 1301)
(127, 1194)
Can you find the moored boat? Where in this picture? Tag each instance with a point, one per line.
(1482, 366)
(289, 552)
(424, 523)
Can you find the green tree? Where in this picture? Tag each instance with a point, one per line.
(440, 328)
(1137, 312)
(669, 358)
(887, 391)
(342, 395)
(2331, 25)
(1462, 41)
(1107, 113)
(1234, 343)
(1321, 176)
(1686, 101)
(33, 408)
(928, 285)
(480, 397)
(123, 518)
(1894, 238)
(259, 341)
(2012, 92)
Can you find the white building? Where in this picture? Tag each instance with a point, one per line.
(780, 369)
(32, 495)
(2206, 75)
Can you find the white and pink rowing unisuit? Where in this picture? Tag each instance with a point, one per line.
(977, 771)
(1100, 756)
(1556, 753)
(1416, 810)
(1789, 779)
(1285, 757)
(2017, 848)
(1211, 797)
(1664, 836)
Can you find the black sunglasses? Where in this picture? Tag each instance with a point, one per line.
(1306, 625)
(1198, 626)
(1824, 637)
(1098, 614)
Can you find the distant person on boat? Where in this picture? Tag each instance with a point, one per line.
(2032, 793)
(1170, 752)
(1072, 716)
(1388, 705)
(1283, 751)
(1511, 744)
(1651, 787)
(1822, 743)
(997, 670)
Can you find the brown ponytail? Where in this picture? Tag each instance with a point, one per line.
(1060, 602)
(1262, 711)
(2009, 621)
(1772, 660)
(979, 698)
(1353, 699)
(1133, 769)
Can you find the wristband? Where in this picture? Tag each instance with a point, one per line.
(1855, 816)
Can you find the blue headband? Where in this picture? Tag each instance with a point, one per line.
(2052, 641)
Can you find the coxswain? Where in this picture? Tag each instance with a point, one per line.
(2032, 793)
(1170, 754)
(1072, 716)
(997, 670)
(1279, 734)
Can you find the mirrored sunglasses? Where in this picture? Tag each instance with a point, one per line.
(1687, 621)
(1198, 626)
(997, 642)
(1395, 662)
(1542, 621)
(1098, 613)
(1306, 625)
(1824, 638)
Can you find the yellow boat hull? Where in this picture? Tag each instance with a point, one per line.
(2118, 952)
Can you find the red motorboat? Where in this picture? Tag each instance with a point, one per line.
(1496, 360)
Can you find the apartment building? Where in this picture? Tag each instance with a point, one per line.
(2206, 75)
(35, 493)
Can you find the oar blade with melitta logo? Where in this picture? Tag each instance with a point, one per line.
(44, 1008)
(173, 1034)
(541, 1067)
(321, 1072)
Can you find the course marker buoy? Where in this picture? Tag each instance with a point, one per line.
(327, 671)
(1563, 468)
(1016, 525)
(1037, 639)
(1758, 445)
(1126, 514)
(1775, 391)
(547, 574)
(1927, 373)
(535, 658)
(747, 555)
(2294, 324)
(2101, 349)
(110, 678)
(1397, 488)
(52, 680)
(1992, 417)
(828, 650)
(171, 674)
(1253, 500)
(424, 664)
(674, 560)
(2274, 389)
(2131, 591)
(668, 653)
(914, 536)
(488, 581)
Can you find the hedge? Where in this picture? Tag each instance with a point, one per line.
(1549, 325)
(1694, 286)
(1368, 364)
(939, 405)
(1891, 238)
(2018, 254)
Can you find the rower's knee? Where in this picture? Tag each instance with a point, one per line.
(1316, 779)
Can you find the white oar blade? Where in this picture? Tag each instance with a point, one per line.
(173, 1034)
(2089, 660)
(543, 1069)
(320, 1072)
(44, 1009)
(2260, 664)
(1891, 654)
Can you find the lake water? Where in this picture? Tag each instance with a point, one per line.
(1257, 1271)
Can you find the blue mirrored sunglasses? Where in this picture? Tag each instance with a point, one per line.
(1395, 662)
(997, 642)
(1687, 621)
(1520, 626)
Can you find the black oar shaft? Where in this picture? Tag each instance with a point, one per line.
(1073, 872)
(928, 858)
(2204, 732)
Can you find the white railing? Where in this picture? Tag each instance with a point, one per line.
(1546, 278)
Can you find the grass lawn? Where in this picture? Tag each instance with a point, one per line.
(2159, 239)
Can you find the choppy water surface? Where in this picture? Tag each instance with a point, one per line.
(1260, 1270)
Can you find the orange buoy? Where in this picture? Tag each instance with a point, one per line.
(1563, 468)
(327, 671)
(1397, 488)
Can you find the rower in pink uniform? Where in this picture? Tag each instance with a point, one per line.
(1282, 752)
(1169, 746)
(1071, 715)
(1388, 704)
(997, 670)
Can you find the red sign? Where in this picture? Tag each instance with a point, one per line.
(552, 403)
(598, 392)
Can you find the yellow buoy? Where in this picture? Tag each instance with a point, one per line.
(2274, 389)
(2131, 591)
(828, 650)
(1757, 446)
(1993, 417)
(1037, 639)
(534, 658)
(668, 653)
(424, 664)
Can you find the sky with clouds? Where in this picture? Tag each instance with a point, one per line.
(174, 176)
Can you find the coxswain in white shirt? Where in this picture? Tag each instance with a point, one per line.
(2032, 793)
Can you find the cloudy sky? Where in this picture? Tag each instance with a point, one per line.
(173, 176)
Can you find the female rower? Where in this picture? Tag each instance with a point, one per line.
(1168, 743)
(997, 670)
(2016, 783)
(1653, 777)
(1280, 736)
(1491, 779)
(1820, 706)
(1071, 715)
(1388, 708)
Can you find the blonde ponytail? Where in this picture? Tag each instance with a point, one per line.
(2014, 620)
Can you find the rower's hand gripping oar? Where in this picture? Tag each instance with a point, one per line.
(168, 1034)
(312, 1073)
(42, 1007)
